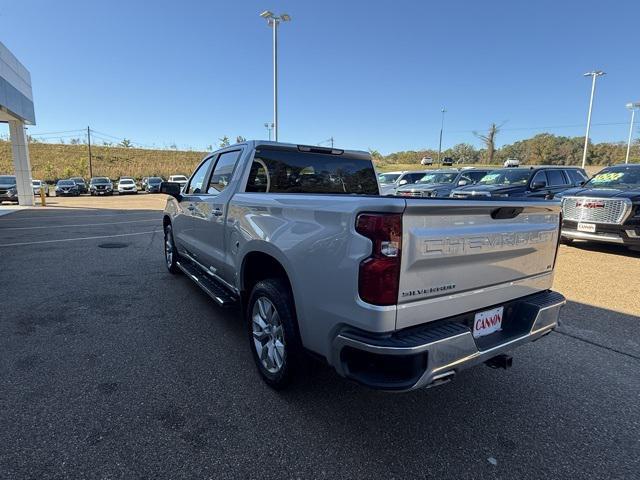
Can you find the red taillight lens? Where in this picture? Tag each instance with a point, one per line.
(379, 275)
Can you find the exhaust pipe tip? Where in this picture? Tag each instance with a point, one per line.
(500, 361)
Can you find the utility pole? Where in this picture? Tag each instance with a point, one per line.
(631, 106)
(89, 143)
(595, 74)
(331, 141)
(443, 111)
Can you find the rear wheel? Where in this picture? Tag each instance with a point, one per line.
(170, 251)
(565, 240)
(273, 334)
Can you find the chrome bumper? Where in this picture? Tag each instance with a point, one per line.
(597, 237)
(447, 355)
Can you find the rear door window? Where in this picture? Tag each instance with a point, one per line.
(291, 171)
(556, 178)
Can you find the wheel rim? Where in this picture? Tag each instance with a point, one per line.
(168, 248)
(268, 335)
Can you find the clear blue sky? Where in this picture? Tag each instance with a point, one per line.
(371, 74)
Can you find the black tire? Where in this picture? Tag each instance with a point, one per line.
(293, 358)
(565, 240)
(170, 250)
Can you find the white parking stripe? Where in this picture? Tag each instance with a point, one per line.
(71, 215)
(2, 229)
(76, 239)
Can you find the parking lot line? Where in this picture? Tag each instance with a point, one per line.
(81, 225)
(14, 218)
(20, 244)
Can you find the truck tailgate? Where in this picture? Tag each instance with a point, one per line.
(459, 256)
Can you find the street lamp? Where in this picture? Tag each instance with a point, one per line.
(443, 111)
(269, 127)
(633, 107)
(273, 21)
(594, 74)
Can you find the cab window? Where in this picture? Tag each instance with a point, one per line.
(197, 179)
(223, 171)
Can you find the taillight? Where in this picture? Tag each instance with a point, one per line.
(379, 275)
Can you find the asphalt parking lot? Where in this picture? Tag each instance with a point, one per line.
(110, 367)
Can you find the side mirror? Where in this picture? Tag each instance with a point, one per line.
(403, 182)
(462, 183)
(582, 182)
(538, 185)
(172, 189)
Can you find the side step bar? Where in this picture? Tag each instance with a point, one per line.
(216, 290)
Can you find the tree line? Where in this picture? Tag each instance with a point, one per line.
(542, 149)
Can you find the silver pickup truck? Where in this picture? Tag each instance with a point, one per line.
(394, 293)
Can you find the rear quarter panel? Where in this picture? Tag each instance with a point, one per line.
(314, 238)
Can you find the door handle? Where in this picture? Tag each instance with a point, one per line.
(191, 207)
(216, 212)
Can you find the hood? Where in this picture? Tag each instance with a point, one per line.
(632, 194)
(421, 187)
(493, 188)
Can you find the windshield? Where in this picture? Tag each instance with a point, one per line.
(388, 177)
(179, 178)
(35, 183)
(508, 176)
(154, 180)
(439, 177)
(126, 181)
(66, 183)
(625, 177)
(77, 179)
(7, 179)
(101, 181)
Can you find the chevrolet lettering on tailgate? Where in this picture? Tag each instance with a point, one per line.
(483, 243)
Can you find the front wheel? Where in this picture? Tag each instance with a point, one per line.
(272, 328)
(170, 251)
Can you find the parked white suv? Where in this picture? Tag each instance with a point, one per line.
(127, 185)
(181, 179)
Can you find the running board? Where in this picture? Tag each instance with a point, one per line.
(216, 290)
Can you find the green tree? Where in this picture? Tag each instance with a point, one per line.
(224, 142)
(126, 143)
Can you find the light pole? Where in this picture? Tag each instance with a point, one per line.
(269, 127)
(594, 74)
(273, 21)
(443, 111)
(633, 107)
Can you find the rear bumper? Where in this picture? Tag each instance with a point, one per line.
(433, 353)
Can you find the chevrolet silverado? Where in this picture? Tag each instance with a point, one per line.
(394, 293)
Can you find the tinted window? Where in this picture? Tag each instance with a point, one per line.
(540, 177)
(473, 177)
(223, 171)
(576, 176)
(197, 179)
(556, 178)
(413, 177)
(285, 171)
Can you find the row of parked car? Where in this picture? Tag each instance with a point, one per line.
(605, 208)
(75, 186)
